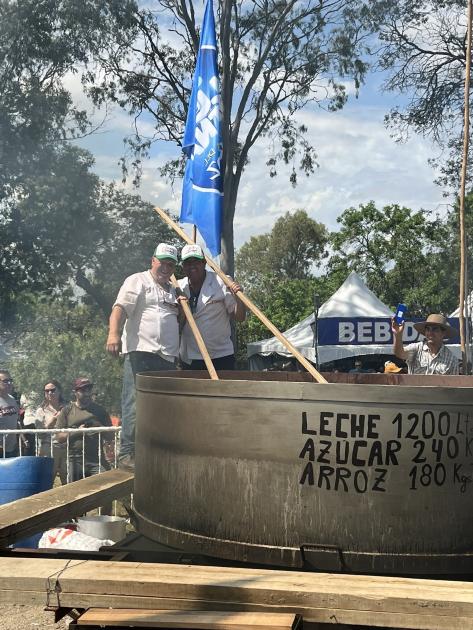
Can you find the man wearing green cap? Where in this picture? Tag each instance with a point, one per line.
(146, 310)
(214, 306)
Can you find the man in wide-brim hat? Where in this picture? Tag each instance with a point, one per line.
(429, 356)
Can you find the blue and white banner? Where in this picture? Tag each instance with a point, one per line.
(202, 191)
(365, 331)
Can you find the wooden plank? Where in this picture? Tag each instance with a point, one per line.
(363, 596)
(211, 620)
(312, 616)
(31, 515)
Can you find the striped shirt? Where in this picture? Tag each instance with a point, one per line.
(421, 361)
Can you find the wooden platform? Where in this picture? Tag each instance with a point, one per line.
(25, 517)
(319, 597)
(211, 620)
(147, 595)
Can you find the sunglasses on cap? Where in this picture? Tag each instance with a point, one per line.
(84, 388)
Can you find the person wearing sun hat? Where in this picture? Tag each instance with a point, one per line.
(429, 356)
(146, 310)
(213, 306)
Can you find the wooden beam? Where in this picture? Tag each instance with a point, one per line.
(31, 515)
(210, 620)
(319, 597)
(345, 618)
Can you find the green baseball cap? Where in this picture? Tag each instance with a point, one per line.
(163, 250)
(192, 251)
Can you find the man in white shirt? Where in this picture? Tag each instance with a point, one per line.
(213, 305)
(146, 310)
(9, 414)
(429, 356)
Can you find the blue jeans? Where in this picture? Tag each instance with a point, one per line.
(77, 471)
(135, 362)
(127, 435)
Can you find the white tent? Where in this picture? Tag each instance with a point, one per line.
(468, 307)
(354, 300)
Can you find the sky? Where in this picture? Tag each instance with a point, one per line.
(358, 162)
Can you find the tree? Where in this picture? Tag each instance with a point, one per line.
(70, 229)
(44, 231)
(276, 58)
(401, 254)
(423, 50)
(285, 302)
(295, 245)
(40, 42)
(452, 245)
(276, 270)
(46, 189)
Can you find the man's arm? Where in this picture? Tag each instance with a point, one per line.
(115, 327)
(180, 297)
(398, 347)
(239, 313)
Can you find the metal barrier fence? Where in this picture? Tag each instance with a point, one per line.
(75, 458)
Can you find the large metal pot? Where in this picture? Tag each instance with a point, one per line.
(371, 475)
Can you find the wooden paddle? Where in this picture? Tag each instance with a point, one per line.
(198, 337)
(247, 302)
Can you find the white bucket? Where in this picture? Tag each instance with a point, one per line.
(103, 527)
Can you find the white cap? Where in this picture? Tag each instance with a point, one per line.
(192, 251)
(163, 250)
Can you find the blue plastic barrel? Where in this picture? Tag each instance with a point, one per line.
(21, 477)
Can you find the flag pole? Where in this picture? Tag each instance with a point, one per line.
(198, 337)
(202, 186)
(466, 133)
(247, 302)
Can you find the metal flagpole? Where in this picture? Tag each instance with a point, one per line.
(466, 134)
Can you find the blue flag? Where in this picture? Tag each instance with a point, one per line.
(202, 190)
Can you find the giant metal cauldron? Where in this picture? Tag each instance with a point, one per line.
(371, 473)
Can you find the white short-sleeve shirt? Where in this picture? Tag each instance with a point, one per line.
(8, 420)
(151, 311)
(212, 315)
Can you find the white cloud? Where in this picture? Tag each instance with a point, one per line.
(358, 161)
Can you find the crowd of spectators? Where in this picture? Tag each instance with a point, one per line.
(75, 454)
